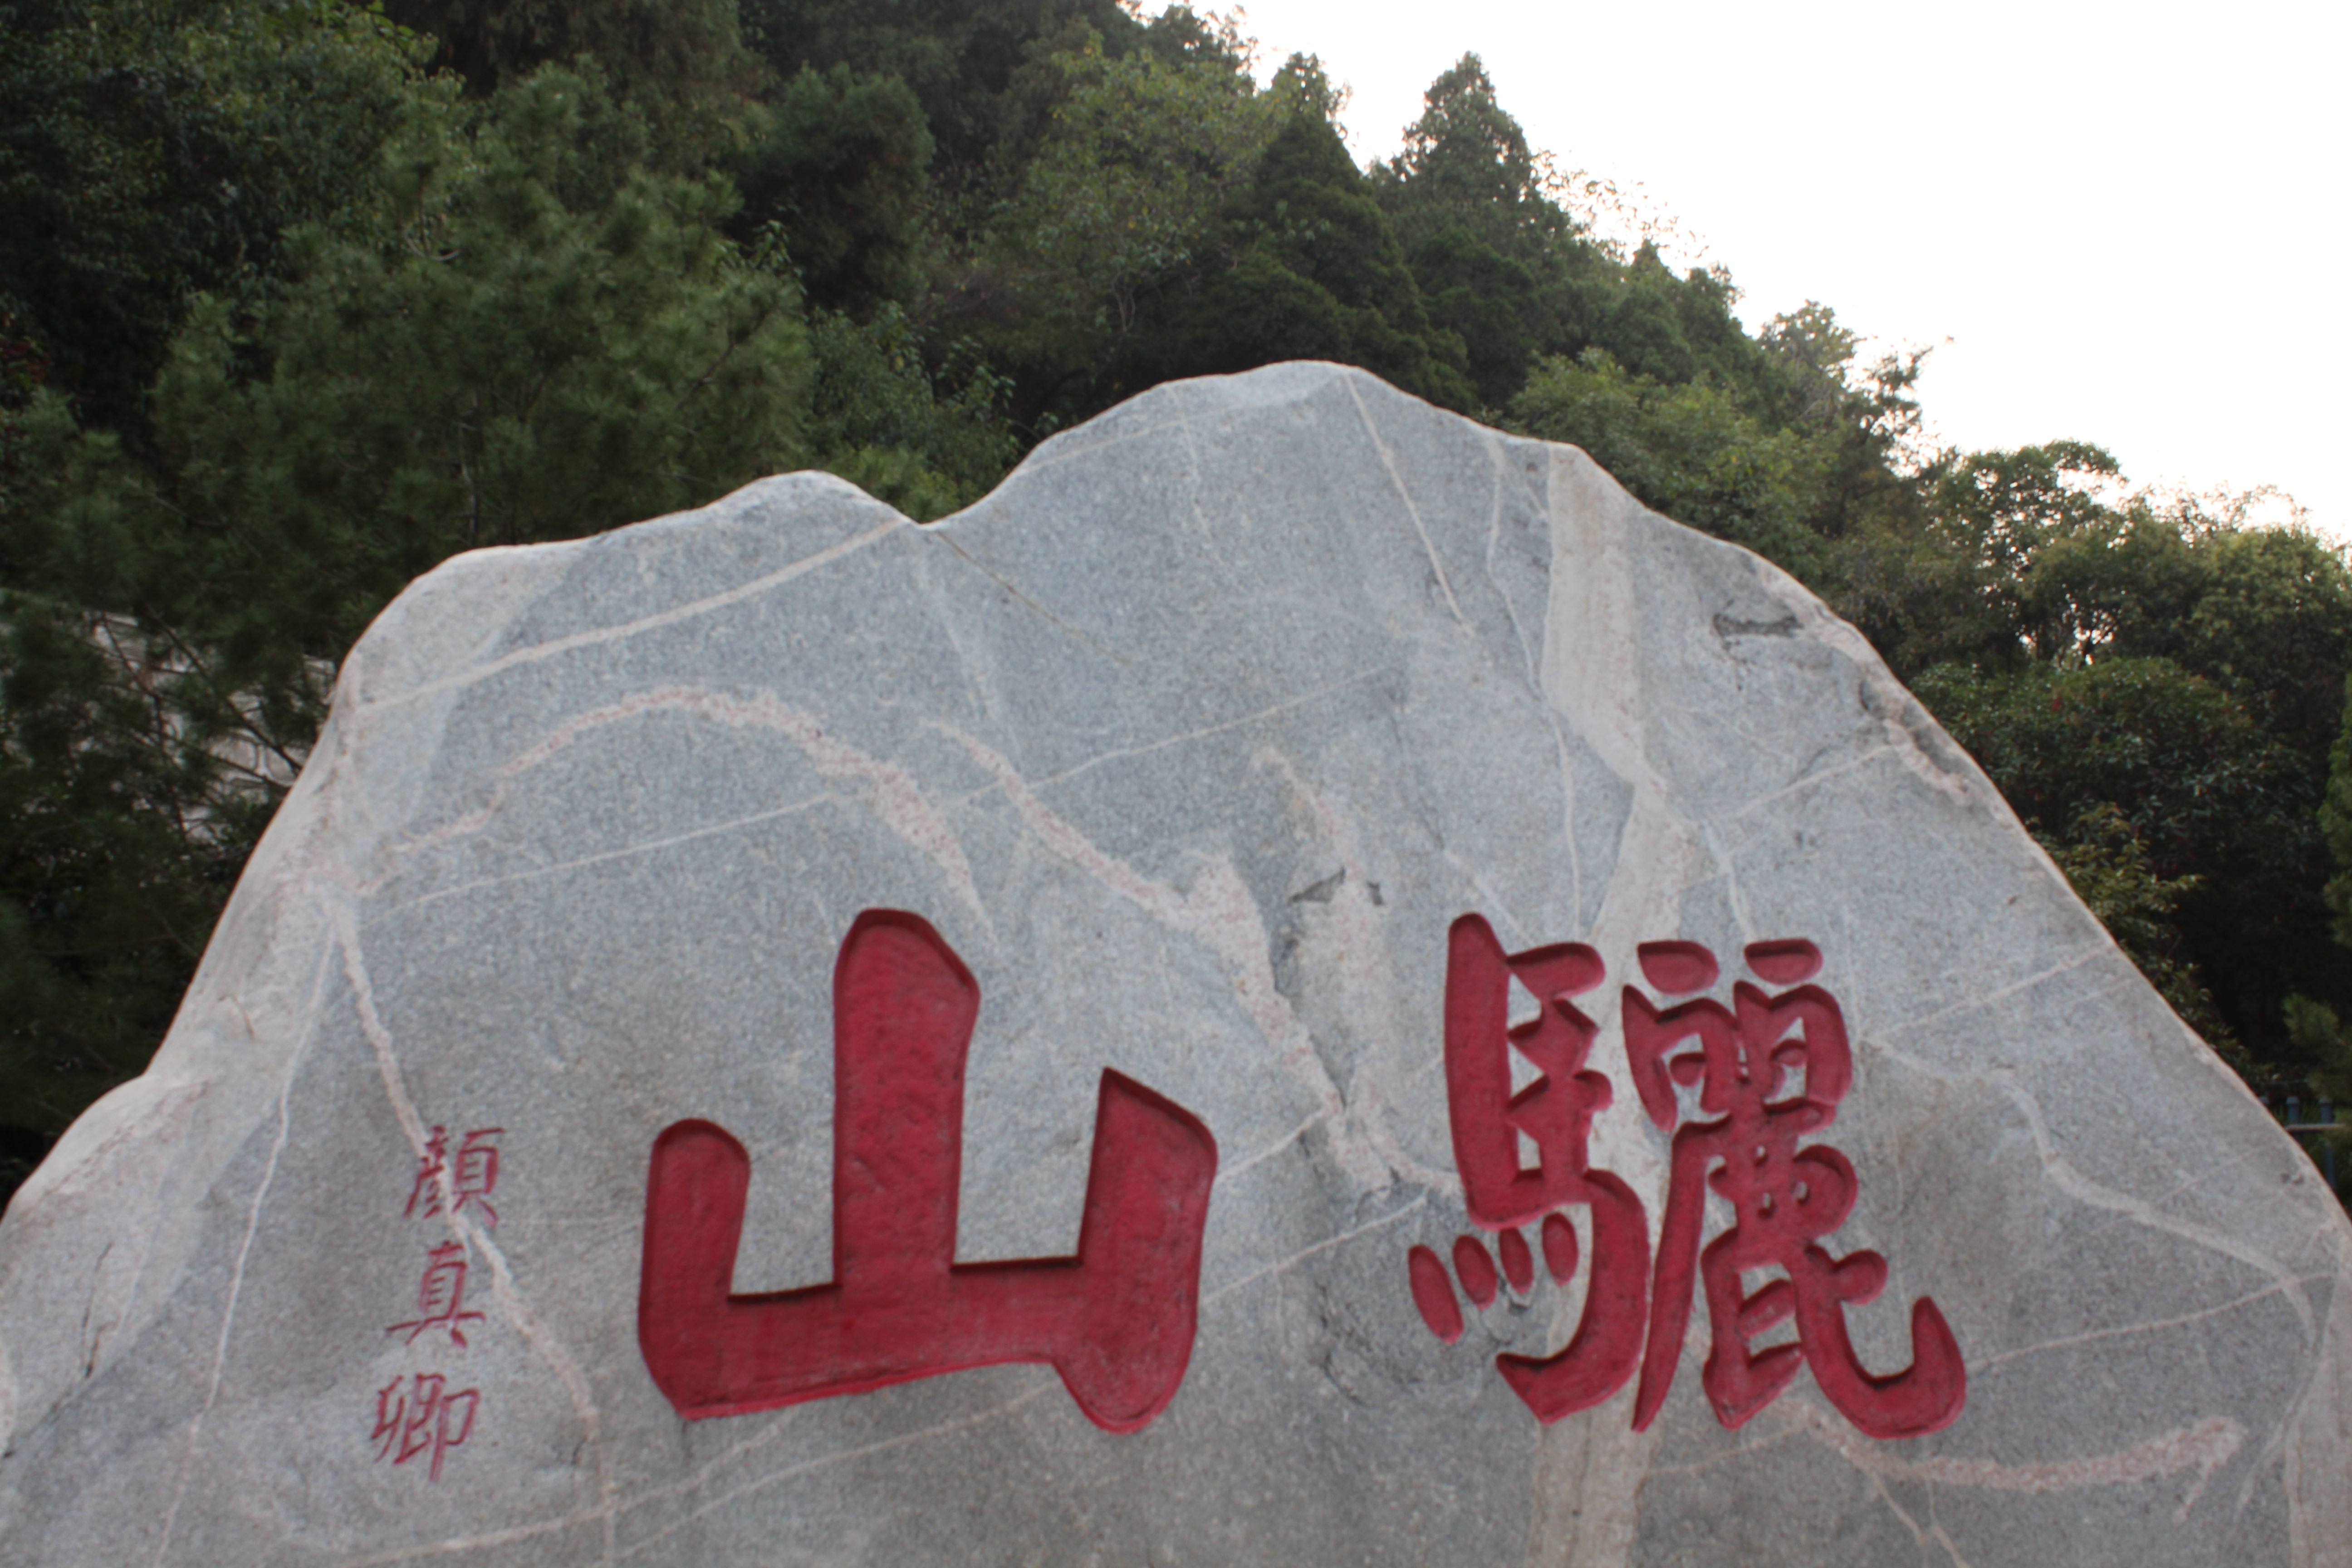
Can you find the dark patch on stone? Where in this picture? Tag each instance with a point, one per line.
(1321, 893)
(1732, 627)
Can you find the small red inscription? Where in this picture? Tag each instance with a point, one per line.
(426, 1419)
(422, 1416)
(1743, 1147)
(441, 1297)
(469, 1176)
(1115, 1319)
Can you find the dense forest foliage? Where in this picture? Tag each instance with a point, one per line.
(299, 298)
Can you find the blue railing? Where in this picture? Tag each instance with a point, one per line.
(2291, 1117)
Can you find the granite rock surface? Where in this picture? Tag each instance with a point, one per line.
(1191, 746)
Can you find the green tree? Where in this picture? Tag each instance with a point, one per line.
(839, 168)
(1121, 199)
(154, 149)
(2071, 570)
(929, 442)
(2108, 865)
(981, 70)
(1672, 328)
(556, 341)
(1494, 304)
(1495, 257)
(1807, 376)
(1466, 165)
(121, 841)
(2264, 613)
(2206, 792)
(2009, 515)
(1504, 267)
(2090, 646)
(680, 63)
(2336, 822)
(1126, 188)
(2318, 1029)
(1691, 452)
(1314, 272)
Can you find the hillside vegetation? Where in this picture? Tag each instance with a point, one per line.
(299, 298)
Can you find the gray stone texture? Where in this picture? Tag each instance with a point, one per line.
(1192, 739)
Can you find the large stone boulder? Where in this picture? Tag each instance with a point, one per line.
(1306, 983)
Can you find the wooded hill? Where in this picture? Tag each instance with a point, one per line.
(298, 299)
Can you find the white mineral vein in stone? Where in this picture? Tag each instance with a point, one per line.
(2081, 1188)
(2148, 1326)
(2204, 1447)
(227, 1322)
(1404, 499)
(2317, 1435)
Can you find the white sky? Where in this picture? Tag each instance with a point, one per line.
(2115, 221)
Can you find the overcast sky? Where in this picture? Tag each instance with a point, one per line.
(2122, 223)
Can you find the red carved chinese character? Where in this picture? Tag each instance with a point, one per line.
(1784, 1199)
(419, 1422)
(470, 1178)
(1115, 1319)
(1555, 1112)
(441, 1296)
